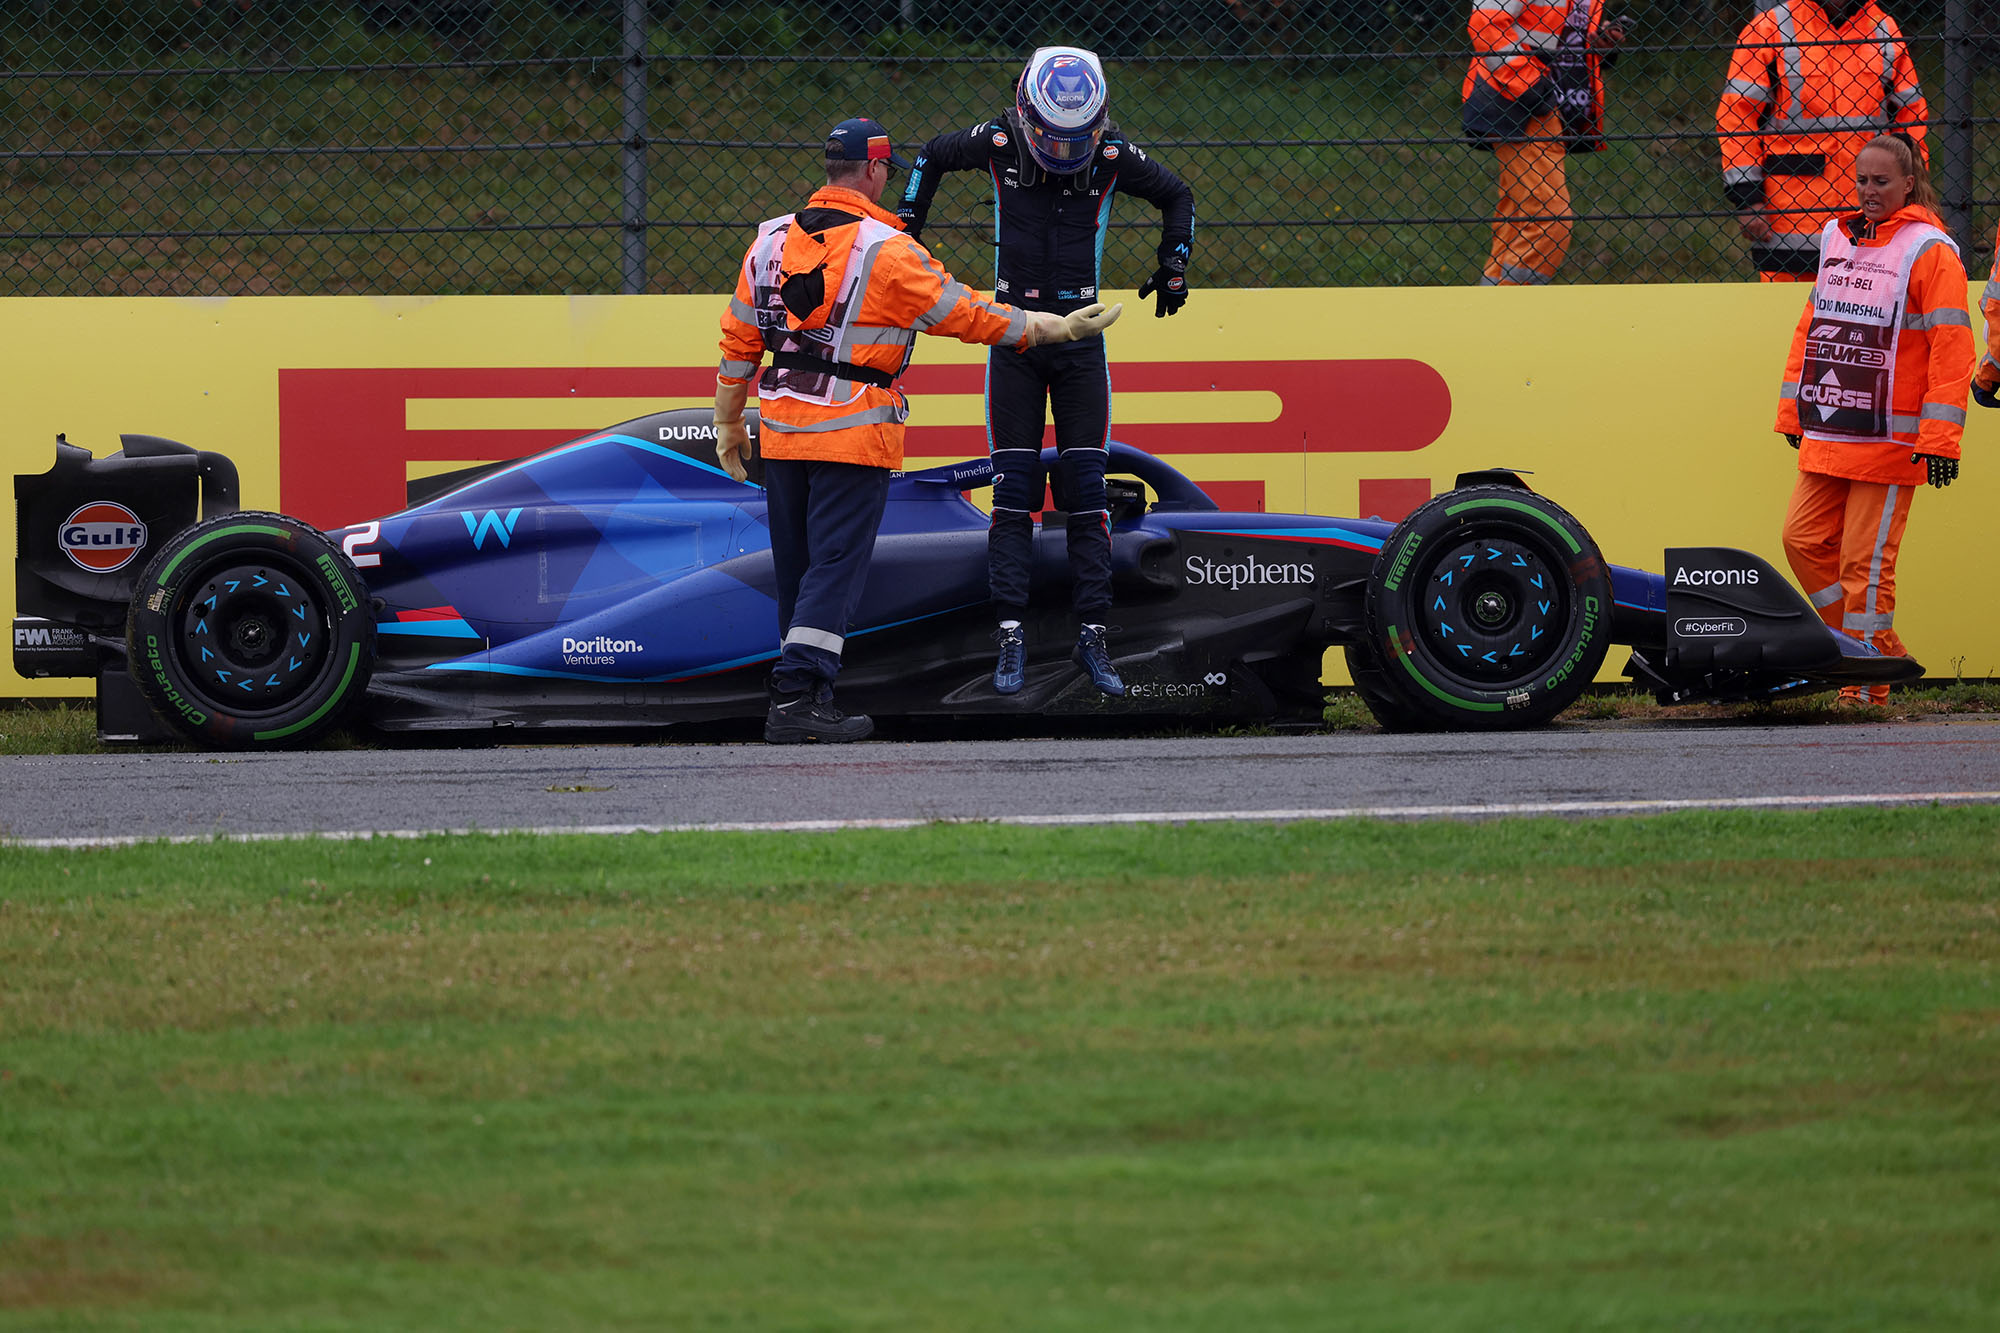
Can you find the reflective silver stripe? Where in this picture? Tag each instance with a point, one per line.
(843, 350)
(1521, 275)
(883, 338)
(1988, 360)
(1881, 543)
(737, 370)
(1992, 292)
(1906, 425)
(1017, 327)
(1793, 75)
(1942, 412)
(866, 417)
(1504, 8)
(1742, 175)
(815, 638)
(1759, 93)
(1938, 319)
(1488, 280)
(1868, 624)
(1789, 391)
(1822, 124)
(947, 301)
(1900, 98)
(1939, 239)
(1540, 41)
(1830, 595)
(742, 311)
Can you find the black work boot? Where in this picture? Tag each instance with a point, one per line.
(795, 718)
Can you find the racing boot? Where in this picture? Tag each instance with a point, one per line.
(1091, 654)
(1012, 667)
(796, 718)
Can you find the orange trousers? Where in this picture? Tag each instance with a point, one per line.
(1841, 538)
(1531, 220)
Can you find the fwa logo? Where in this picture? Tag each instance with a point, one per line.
(490, 524)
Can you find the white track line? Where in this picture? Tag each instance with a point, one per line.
(1640, 807)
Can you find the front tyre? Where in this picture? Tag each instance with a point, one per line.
(251, 632)
(1488, 609)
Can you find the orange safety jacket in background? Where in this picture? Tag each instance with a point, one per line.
(1987, 376)
(1794, 115)
(839, 308)
(1519, 46)
(1931, 358)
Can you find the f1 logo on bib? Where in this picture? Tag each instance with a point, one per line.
(102, 537)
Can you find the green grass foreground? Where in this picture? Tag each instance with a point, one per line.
(1715, 1071)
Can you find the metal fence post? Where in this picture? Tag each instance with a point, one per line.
(1955, 130)
(632, 86)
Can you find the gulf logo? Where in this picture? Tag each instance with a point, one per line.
(102, 536)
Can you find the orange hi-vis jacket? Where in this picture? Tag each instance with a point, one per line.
(1512, 41)
(1925, 366)
(1801, 100)
(1988, 374)
(839, 308)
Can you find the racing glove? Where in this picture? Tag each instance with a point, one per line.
(1943, 470)
(1171, 283)
(1986, 397)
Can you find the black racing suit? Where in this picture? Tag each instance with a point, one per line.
(1049, 251)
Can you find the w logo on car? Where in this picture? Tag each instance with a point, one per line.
(491, 523)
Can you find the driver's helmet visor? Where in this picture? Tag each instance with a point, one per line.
(1062, 151)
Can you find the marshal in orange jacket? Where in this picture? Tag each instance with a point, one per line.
(871, 288)
(1933, 367)
(1803, 96)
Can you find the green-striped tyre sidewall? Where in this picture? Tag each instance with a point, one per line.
(1423, 689)
(331, 601)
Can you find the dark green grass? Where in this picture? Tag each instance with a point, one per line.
(1710, 1071)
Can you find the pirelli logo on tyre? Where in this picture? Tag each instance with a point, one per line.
(1403, 558)
(334, 581)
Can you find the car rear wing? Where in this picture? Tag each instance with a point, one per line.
(86, 526)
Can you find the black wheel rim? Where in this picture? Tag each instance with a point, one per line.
(252, 635)
(1493, 607)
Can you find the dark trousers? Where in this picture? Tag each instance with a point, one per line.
(1075, 380)
(823, 519)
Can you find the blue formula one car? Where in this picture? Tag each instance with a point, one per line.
(623, 581)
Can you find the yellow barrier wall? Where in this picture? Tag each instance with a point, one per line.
(1644, 410)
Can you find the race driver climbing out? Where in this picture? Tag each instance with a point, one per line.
(1056, 162)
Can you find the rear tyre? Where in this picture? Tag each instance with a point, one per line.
(1488, 609)
(251, 632)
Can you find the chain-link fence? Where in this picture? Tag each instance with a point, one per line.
(429, 146)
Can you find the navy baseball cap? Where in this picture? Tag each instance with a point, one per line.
(862, 140)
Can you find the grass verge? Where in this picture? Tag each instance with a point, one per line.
(1730, 1071)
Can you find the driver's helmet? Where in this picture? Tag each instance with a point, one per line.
(1062, 101)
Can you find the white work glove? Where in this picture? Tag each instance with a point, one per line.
(732, 448)
(1085, 323)
(732, 437)
(1091, 320)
